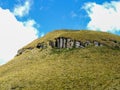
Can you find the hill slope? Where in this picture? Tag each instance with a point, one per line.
(89, 68)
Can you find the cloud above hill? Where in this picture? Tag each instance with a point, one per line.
(105, 17)
(21, 10)
(14, 34)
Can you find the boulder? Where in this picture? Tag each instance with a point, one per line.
(87, 43)
(96, 43)
(40, 45)
(77, 44)
(64, 42)
(70, 43)
(58, 42)
(61, 42)
(52, 44)
(20, 52)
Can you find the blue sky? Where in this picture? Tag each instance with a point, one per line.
(22, 21)
(54, 14)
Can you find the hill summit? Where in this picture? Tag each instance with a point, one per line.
(65, 60)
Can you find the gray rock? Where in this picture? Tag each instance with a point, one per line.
(20, 52)
(64, 42)
(77, 44)
(96, 43)
(61, 42)
(68, 42)
(52, 44)
(72, 44)
(58, 42)
(30, 48)
(40, 45)
(87, 43)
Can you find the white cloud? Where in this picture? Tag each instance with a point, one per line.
(21, 10)
(105, 17)
(14, 34)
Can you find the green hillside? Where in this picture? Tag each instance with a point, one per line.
(89, 68)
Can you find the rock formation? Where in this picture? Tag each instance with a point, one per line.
(64, 42)
(23, 50)
(96, 43)
(40, 45)
(19, 52)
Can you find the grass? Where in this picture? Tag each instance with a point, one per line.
(91, 68)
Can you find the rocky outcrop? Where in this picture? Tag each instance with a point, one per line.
(40, 45)
(63, 42)
(20, 52)
(96, 43)
(23, 50)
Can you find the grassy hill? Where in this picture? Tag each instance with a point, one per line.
(89, 68)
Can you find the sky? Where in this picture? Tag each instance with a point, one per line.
(22, 21)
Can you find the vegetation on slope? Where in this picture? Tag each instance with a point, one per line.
(90, 68)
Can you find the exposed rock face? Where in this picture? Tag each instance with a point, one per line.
(69, 43)
(77, 44)
(44, 45)
(23, 50)
(62, 42)
(87, 43)
(97, 44)
(52, 44)
(20, 52)
(40, 45)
